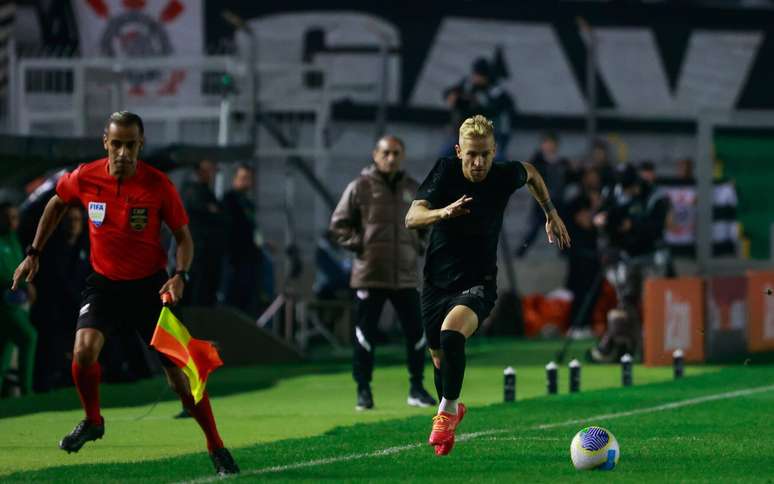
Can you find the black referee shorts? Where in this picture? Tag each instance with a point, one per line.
(109, 305)
(437, 302)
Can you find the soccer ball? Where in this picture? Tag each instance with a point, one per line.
(594, 448)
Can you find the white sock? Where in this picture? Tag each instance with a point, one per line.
(448, 406)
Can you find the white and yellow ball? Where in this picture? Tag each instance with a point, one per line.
(594, 448)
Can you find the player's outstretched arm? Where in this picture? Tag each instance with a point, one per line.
(52, 214)
(557, 232)
(420, 213)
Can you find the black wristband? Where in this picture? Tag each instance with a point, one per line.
(184, 275)
(547, 206)
(31, 251)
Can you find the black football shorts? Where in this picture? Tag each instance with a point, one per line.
(109, 305)
(437, 302)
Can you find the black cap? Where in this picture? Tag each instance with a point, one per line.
(481, 67)
(627, 175)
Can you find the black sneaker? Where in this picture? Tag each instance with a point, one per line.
(418, 397)
(223, 462)
(365, 400)
(84, 432)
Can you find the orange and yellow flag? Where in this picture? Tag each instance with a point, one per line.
(197, 358)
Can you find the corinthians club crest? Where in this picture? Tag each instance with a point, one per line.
(135, 31)
(138, 218)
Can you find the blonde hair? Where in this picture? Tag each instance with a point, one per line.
(476, 127)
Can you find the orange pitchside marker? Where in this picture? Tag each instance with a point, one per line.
(197, 358)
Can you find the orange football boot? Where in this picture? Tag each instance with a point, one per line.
(444, 426)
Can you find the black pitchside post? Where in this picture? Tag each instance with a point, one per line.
(509, 384)
(678, 363)
(551, 378)
(626, 370)
(575, 375)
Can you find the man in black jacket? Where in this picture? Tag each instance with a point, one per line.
(242, 252)
(207, 223)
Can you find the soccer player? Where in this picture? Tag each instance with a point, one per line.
(464, 199)
(127, 201)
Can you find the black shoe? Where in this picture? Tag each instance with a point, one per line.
(365, 400)
(84, 432)
(223, 462)
(183, 414)
(418, 397)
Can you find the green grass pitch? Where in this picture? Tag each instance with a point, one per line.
(297, 423)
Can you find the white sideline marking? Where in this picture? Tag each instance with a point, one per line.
(524, 438)
(483, 433)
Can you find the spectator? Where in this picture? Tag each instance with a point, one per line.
(656, 208)
(685, 169)
(583, 266)
(207, 229)
(600, 161)
(553, 169)
(243, 253)
(15, 327)
(647, 173)
(591, 188)
(658, 201)
(369, 221)
(62, 276)
(650, 193)
(479, 93)
(584, 277)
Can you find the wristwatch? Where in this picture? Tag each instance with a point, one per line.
(31, 251)
(184, 275)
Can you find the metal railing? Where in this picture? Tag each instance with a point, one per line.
(71, 96)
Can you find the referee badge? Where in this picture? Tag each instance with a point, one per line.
(138, 218)
(97, 212)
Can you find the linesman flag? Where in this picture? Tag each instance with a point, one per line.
(197, 358)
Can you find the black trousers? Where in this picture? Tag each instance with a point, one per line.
(206, 272)
(584, 281)
(368, 308)
(241, 284)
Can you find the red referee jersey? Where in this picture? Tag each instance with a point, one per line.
(124, 217)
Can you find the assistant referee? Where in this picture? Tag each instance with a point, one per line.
(127, 201)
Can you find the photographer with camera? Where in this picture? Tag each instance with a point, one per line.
(632, 221)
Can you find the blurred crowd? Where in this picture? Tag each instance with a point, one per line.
(230, 264)
(617, 217)
(230, 267)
